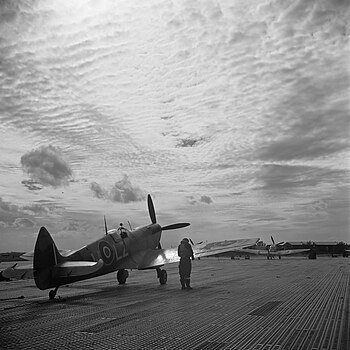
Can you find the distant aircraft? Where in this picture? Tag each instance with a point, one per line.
(12, 272)
(273, 250)
(120, 249)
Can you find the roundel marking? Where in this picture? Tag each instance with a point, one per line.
(106, 251)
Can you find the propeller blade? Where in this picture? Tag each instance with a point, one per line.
(175, 226)
(151, 210)
(105, 224)
(273, 241)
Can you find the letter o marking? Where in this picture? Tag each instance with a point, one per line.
(106, 251)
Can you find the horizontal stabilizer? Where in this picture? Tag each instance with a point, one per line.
(76, 268)
(30, 255)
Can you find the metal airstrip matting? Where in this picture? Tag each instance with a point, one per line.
(293, 303)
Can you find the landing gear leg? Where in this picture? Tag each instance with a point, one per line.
(122, 275)
(52, 293)
(162, 275)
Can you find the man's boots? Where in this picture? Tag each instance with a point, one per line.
(183, 286)
(188, 282)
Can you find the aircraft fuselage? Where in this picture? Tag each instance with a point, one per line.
(111, 252)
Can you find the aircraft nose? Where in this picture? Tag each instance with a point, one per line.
(156, 229)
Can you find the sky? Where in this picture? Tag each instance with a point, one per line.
(232, 114)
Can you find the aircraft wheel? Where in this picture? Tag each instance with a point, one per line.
(163, 277)
(52, 294)
(122, 275)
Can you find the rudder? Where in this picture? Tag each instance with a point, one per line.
(46, 256)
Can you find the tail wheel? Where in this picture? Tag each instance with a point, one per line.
(53, 293)
(122, 275)
(163, 277)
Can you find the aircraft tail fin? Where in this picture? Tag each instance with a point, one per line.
(46, 256)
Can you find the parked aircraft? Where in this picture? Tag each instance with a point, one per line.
(273, 250)
(11, 272)
(119, 250)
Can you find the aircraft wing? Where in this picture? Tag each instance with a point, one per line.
(21, 272)
(254, 251)
(272, 253)
(213, 248)
(159, 257)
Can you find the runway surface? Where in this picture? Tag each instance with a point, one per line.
(293, 303)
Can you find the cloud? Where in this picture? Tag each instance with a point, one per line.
(31, 185)
(46, 166)
(72, 226)
(273, 176)
(312, 118)
(122, 191)
(12, 215)
(272, 219)
(192, 200)
(35, 209)
(8, 11)
(8, 213)
(189, 142)
(98, 191)
(203, 199)
(24, 222)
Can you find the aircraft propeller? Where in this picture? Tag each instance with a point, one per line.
(273, 241)
(151, 210)
(153, 217)
(175, 226)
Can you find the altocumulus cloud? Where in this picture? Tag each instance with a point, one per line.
(122, 191)
(274, 176)
(46, 166)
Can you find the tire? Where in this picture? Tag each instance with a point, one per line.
(122, 275)
(163, 277)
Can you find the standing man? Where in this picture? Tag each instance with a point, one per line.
(185, 253)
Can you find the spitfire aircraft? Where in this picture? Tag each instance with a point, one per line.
(118, 250)
(272, 250)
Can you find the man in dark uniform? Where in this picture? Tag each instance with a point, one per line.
(185, 253)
